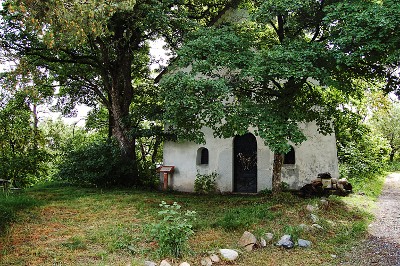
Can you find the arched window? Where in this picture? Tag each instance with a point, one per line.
(202, 156)
(290, 157)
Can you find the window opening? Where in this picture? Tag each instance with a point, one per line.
(202, 156)
(290, 157)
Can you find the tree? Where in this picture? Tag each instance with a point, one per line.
(279, 64)
(387, 123)
(22, 158)
(98, 52)
(362, 151)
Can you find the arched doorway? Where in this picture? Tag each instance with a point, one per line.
(245, 163)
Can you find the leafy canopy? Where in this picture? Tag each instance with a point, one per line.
(281, 64)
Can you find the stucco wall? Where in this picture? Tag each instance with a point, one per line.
(316, 155)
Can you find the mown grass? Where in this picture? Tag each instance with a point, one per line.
(12, 202)
(58, 224)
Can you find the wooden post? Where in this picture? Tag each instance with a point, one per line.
(166, 170)
(165, 181)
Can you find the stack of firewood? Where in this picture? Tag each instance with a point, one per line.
(325, 185)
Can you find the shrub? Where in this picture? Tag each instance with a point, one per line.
(96, 163)
(205, 183)
(173, 231)
(362, 158)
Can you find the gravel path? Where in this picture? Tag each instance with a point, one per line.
(382, 247)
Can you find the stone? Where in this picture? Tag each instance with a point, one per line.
(304, 243)
(317, 226)
(214, 258)
(314, 218)
(206, 261)
(333, 256)
(310, 208)
(149, 263)
(263, 242)
(228, 254)
(248, 241)
(184, 264)
(165, 263)
(286, 242)
(269, 237)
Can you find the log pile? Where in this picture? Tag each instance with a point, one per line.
(325, 185)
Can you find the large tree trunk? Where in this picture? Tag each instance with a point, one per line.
(277, 173)
(120, 93)
(120, 131)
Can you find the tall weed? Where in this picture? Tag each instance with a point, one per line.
(173, 231)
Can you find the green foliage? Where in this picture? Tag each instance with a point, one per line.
(285, 186)
(173, 231)
(206, 183)
(96, 163)
(294, 231)
(98, 53)
(22, 157)
(364, 157)
(274, 69)
(362, 151)
(386, 122)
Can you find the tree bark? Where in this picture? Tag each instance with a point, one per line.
(120, 92)
(391, 156)
(277, 174)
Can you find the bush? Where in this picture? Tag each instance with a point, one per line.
(364, 157)
(205, 183)
(96, 163)
(173, 231)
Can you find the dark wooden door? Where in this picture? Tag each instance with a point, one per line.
(245, 163)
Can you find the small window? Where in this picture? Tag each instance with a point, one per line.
(290, 157)
(202, 156)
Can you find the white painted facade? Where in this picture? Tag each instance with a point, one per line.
(316, 155)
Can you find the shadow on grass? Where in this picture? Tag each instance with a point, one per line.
(11, 204)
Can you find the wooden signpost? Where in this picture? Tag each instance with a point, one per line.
(166, 170)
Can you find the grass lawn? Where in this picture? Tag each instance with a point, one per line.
(60, 224)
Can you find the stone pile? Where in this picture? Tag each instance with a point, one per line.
(249, 242)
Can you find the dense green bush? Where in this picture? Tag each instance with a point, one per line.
(206, 183)
(22, 157)
(363, 158)
(96, 163)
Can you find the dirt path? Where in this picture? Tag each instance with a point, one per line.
(383, 245)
